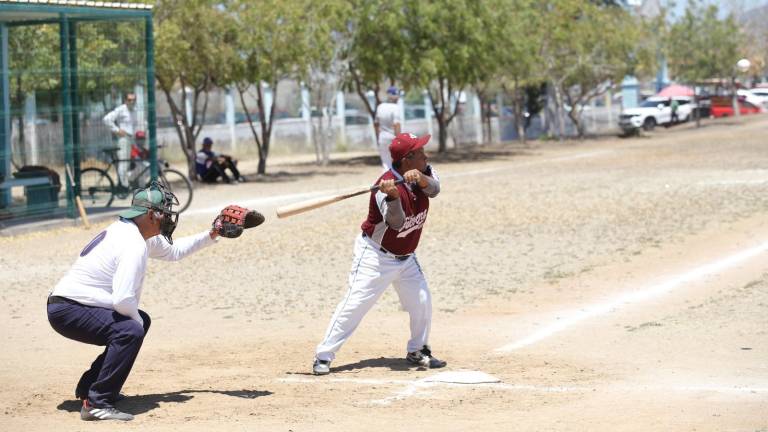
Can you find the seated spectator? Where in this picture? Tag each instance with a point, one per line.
(212, 165)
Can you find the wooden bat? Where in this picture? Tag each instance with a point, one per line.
(311, 204)
(78, 201)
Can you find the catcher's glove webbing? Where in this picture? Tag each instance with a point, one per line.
(233, 219)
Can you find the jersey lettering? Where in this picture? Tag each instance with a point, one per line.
(93, 243)
(412, 223)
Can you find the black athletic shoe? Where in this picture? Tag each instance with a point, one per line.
(89, 413)
(424, 358)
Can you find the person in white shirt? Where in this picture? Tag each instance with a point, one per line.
(388, 123)
(122, 123)
(97, 301)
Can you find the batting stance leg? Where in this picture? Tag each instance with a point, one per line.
(417, 301)
(372, 272)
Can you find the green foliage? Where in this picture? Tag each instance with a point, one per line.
(586, 48)
(702, 46)
(194, 49)
(447, 50)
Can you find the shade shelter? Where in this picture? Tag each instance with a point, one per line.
(675, 90)
(63, 65)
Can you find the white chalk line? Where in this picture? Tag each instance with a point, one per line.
(569, 319)
(734, 182)
(260, 202)
(421, 387)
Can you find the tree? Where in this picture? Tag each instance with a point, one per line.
(377, 48)
(194, 42)
(445, 42)
(328, 43)
(702, 46)
(587, 48)
(274, 43)
(518, 52)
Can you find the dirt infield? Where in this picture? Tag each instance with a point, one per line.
(599, 285)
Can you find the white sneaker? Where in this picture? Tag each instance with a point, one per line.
(89, 413)
(321, 367)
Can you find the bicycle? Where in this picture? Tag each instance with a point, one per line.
(97, 189)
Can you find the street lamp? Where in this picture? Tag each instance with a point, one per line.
(741, 66)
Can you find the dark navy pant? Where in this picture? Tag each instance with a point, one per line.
(122, 337)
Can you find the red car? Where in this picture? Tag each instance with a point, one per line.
(722, 106)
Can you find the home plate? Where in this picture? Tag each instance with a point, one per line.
(462, 377)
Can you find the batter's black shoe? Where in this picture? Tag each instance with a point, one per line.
(89, 413)
(321, 367)
(425, 359)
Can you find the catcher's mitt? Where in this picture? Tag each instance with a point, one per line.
(233, 219)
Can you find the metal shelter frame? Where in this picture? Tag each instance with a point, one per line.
(67, 14)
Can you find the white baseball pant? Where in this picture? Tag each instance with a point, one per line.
(123, 153)
(372, 272)
(385, 139)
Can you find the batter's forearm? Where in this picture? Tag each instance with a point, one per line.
(432, 188)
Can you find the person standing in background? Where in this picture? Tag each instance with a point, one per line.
(388, 124)
(122, 123)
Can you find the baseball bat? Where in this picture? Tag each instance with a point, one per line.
(78, 201)
(311, 204)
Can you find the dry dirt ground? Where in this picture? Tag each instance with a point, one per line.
(603, 285)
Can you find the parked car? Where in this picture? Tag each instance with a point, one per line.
(655, 111)
(759, 96)
(722, 106)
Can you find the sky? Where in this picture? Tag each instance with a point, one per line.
(725, 6)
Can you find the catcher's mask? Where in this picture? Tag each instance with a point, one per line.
(159, 198)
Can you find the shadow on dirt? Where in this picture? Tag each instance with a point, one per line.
(455, 156)
(144, 403)
(395, 364)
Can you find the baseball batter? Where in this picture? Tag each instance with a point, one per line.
(387, 125)
(97, 301)
(385, 254)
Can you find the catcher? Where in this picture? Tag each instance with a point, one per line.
(97, 301)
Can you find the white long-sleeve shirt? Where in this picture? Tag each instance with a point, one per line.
(121, 118)
(110, 270)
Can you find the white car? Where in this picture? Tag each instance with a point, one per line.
(655, 111)
(759, 95)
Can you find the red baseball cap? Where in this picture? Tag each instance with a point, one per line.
(140, 135)
(406, 143)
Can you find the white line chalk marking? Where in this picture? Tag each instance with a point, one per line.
(477, 379)
(574, 317)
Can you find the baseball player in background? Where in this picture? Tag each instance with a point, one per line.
(387, 124)
(385, 254)
(122, 123)
(97, 301)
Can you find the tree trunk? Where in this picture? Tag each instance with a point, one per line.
(519, 115)
(559, 113)
(442, 135)
(697, 111)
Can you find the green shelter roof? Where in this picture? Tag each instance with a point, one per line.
(29, 11)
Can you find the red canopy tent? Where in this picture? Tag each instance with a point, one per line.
(675, 90)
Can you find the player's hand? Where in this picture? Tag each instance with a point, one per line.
(416, 176)
(121, 133)
(388, 187)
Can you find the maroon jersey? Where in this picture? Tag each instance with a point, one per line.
(415, 206)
